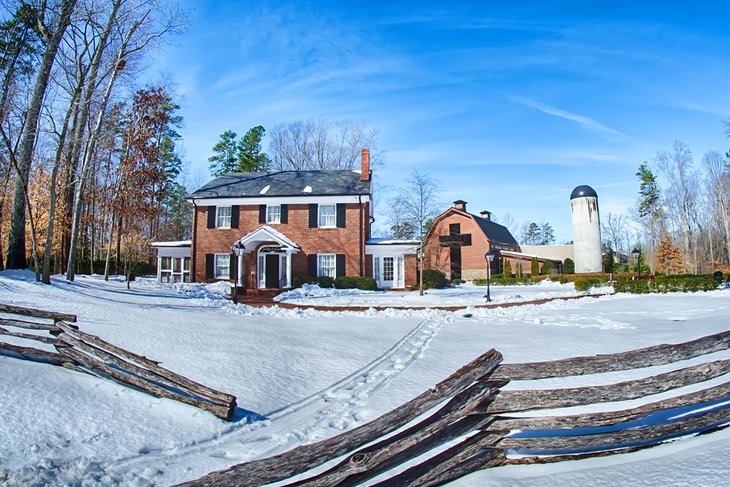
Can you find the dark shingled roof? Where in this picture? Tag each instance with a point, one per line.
(582, 192)
(495, 232)
(285, 183)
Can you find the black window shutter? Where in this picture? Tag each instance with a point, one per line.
(312, 264)
(232, 269)
(209, 265)
(235, 209)
(262, 213)
(284, 214)
(211, 217)
(340, 265)
(313, 215)
(340, 215)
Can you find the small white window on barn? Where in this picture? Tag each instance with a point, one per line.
(223, 217)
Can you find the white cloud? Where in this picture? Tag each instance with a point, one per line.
(585, 122)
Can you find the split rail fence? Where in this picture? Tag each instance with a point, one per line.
(83, 352)
(469, 422)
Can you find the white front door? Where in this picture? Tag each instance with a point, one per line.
(388, 271)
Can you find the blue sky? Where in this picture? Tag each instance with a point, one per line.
(508, 105)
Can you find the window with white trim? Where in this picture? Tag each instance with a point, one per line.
(223, 217)
(222, 269)
(273, 214)
(327, 216)
(387, 268)
(165, 269)
(326, 265)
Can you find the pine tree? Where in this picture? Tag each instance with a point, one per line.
(225, 158)
(669, 256)
(507, 271)
(648, 190)
(250, 156)
(534, 267)
(547, 235)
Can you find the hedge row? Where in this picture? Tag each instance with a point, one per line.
(665, 284)
(342, 282)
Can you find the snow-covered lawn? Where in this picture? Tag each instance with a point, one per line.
(464, 295)
(303, 375)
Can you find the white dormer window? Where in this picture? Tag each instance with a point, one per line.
(223, 217)
(273, 214)
(327, 215)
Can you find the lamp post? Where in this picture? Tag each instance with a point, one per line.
(489, 256)
(238, 249)
(637, 255)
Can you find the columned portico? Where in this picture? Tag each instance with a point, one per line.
(272, 256)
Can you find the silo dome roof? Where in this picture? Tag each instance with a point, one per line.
(583, 191)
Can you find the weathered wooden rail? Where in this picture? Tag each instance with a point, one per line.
(469, 422)
(83, 352)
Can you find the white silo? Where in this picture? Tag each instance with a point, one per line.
(586, 230)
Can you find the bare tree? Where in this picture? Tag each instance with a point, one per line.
(321, 144)
(717, 173)
(46, 18)
(681, 196)
(417, 203)
(613, 226)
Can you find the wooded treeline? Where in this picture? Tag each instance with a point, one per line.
(681, 221)
(88, 162)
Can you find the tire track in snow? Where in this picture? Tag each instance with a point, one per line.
(307, 420)
(337, 406)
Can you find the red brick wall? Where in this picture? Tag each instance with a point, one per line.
(410, 263)
(346, 240)
(472, 256)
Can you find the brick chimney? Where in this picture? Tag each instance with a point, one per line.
(486, 215)
(460, 205)
(365, 165)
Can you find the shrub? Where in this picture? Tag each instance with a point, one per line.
(568, 266)
(366, 283)
(325, 281)
(548, 267)
(586, 283)
(456, 282)
(355, 282)
(507, 271)
(433, 278)
(518, 274)
(509, 281)
(299, 281)
(534, 267)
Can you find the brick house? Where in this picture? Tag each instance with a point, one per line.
(457, 242)
(293, 224)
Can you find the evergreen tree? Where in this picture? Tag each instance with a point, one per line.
(519, 270)
(568, 266)
(250, 156)
(648, 190)
(507, 271)
(225, 159)
(548, 267)
(534, 267)
(403, 230)
(608, 258)
(547, 235)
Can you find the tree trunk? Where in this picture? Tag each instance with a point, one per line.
(90, 149)
(16, 243)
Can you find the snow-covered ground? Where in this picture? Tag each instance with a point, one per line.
(303, 375)
(464, 295)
